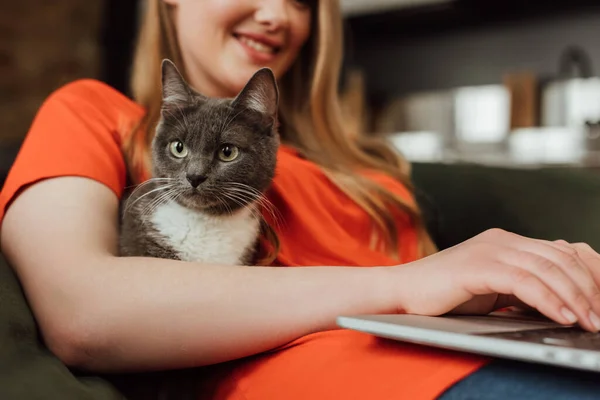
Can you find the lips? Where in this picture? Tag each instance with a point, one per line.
(256, 45)
(259, 48)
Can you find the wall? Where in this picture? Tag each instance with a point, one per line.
(43, 44)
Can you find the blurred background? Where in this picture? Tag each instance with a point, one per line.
(495, 82)
(501, 82)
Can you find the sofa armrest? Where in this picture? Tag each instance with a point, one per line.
(461, 200)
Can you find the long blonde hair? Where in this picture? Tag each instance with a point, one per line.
(310, 115)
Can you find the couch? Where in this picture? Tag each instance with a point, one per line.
(458, 201)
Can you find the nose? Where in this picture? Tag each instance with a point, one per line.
(195, 180)
(273, 13)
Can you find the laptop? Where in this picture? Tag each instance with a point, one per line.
(507, 334)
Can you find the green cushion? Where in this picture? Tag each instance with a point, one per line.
(462, 200)
(28, 370)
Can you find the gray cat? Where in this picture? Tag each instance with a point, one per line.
(212, 161)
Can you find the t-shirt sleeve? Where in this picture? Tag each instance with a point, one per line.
(76, 132)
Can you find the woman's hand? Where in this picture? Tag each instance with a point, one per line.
(497, 269)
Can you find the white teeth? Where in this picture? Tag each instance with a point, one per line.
(263, 48)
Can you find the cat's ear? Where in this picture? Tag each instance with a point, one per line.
(175, 91)
(260, 94)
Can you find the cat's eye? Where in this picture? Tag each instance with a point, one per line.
(178, 149)
(228, 153)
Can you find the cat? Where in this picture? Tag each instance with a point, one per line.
(212, 161)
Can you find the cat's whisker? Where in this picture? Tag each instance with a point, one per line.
(244, 185)
(182, 191)
(225, 119)
(241, 196)
(148, 209)
(178, 120)
(163, 198)
(224, 123)
(250, 195)
(253, 196)
(215, 194)
(151, 180)
(233, 198)
(224, 203)
(256, 196)
(130, 203)
(246, 188)
(156, 189)
(274, 214)
(242, 203)
(272, 210)
(261, 197)
(229, 121)
(174, 193)
(186, 123)
(147, 182)
(251, 192)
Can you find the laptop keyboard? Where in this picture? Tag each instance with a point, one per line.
(565, 337)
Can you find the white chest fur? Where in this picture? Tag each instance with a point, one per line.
(203, 238)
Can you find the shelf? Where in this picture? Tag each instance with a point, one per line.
(364, 7)
(434, 17)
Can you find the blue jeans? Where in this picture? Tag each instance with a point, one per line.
(512, 380)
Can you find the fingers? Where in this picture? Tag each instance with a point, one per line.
(567, 258)
(566, 286)
(530, 289)
(582, 247)
(590, 257)
(560, 269)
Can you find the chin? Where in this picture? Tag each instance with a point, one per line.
(239, 77)
(196, 201)
(210, 206)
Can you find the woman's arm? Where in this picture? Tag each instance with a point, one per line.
(104, 312)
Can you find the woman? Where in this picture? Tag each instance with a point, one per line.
(276, 325)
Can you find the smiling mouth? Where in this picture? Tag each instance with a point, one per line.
(259, 46)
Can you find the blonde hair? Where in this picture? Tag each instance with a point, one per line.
(310, 115)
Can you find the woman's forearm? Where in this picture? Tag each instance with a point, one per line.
(103, 312)
(151, 313)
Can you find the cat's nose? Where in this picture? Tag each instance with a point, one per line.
(195, 180)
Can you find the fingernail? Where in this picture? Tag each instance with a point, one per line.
(569, 315)
(595, 320)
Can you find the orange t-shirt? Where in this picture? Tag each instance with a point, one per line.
(78, 132)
